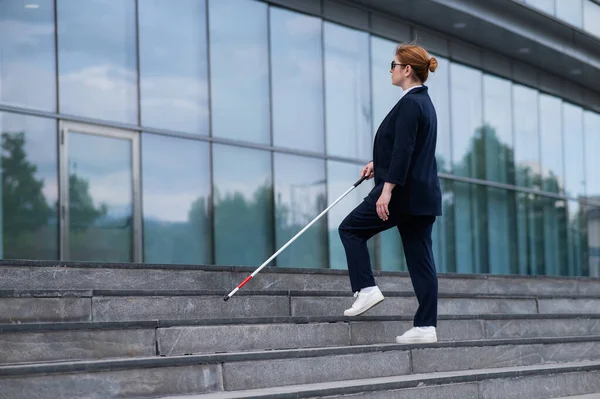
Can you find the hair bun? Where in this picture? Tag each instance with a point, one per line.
(433, 64)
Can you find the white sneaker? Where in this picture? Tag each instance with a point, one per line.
(418, 335)
(364, 302)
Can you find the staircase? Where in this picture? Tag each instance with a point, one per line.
(86, 330)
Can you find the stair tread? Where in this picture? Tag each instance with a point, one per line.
(84, 325)
(60, 366)
(402, 293)
(399, 382)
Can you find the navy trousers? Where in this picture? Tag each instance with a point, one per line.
(363, 223)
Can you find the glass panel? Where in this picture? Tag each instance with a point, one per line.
(551, 143)
(592, 160)
(243, 203)
(592, 216)
(100, 198)
(97, 59)
(530, 234)
(546, 6)
(297, 75)
(499, 167)
(467, 121)
(573, 149)
(502, 231)
(27, 54)
(592, 213)
(239, 42)
(439, 86)
(570, 11)
(555, 237)
(176, 200)
(463, 232)
(340, 176)
(577, 246)
(468, 160)
(385, 95)
(527, 139)
(300, 195)
(443, 231)
(347, 92)
(29, 188)
(497, 130)
(591, 17)
(173, 66)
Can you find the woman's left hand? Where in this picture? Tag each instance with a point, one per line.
(382, 205)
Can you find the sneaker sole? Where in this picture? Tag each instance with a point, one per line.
(369, 308)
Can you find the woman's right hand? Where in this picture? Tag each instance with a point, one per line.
(367, 170)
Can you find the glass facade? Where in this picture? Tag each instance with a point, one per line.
(244, 120)
(583, 14)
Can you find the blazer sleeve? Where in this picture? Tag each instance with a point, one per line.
(405, 136)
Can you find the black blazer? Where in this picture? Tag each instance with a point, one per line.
(404, 154)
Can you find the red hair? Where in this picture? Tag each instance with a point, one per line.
(418, 58)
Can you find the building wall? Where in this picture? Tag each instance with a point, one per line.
(211, 132)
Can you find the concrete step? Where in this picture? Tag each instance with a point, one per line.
(189, 376)
(590, 396)
(24, 306)
(38, 342)
(531, 382)
(75, 275)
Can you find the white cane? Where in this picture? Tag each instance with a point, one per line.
(232, 293)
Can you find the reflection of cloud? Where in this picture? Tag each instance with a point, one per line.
(113, 189)
(300, 26)
(25, 33)
(101, 91)
(167, 206)
(175, 102)
(28, 83)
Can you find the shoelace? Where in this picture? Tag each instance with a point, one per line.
(356, 294)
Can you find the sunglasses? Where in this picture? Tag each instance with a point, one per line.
(393, 64)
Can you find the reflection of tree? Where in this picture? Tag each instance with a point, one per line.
(25, 207)
(82, 212)
(26, 214)
(528, 232)
(243, 226)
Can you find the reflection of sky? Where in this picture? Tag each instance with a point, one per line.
(551, 138)
(297, 76)
(340, 177)
(298, 183)
(97, 59)
(525, 112)
(40, 148)
(466, 118)
(591, 17)
(27, 68)
(573, 147)
(169, 188)
(240, 170)
(497, 110)
(240, 70)
(385, 95)
(347, 91)
(592, 149)
(497, 113)
(173, 67)
(544, 5)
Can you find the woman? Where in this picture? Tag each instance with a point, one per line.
(406, 195)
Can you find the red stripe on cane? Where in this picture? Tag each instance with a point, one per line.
(244, 282)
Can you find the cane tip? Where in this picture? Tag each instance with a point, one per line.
(225, 298)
